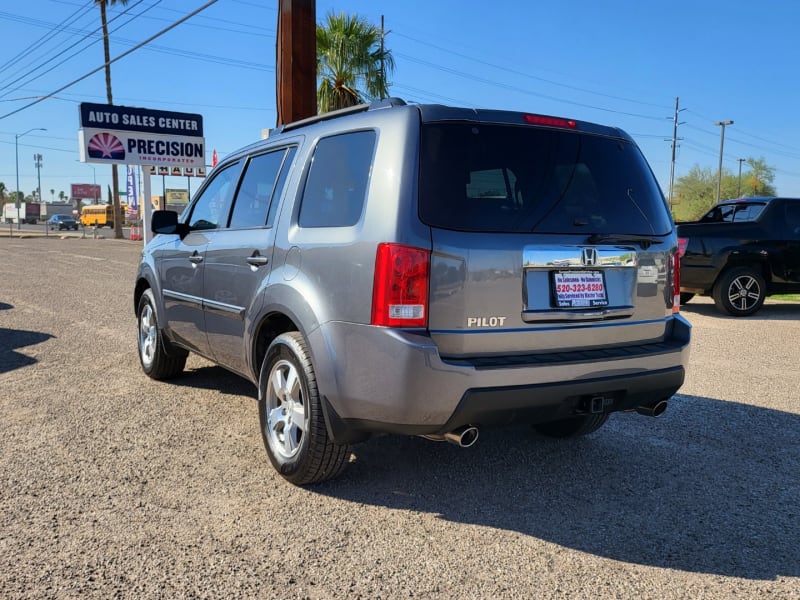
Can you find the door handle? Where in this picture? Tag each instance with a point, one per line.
(196, 258)
(257, 260)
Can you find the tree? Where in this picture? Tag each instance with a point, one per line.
(351, 63)
(62, 195)
(52, 195)
(696, 192)
(3, 191)
(107, 54)
(759, 180)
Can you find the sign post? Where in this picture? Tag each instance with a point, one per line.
(112, 134)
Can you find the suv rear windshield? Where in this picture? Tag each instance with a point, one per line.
(504, 178)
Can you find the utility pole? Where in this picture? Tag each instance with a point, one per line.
(739, 193)
(674, 145)
(722, 124)
(296, 65)
(37, 160)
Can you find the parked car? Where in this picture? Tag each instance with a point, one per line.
(62, 222)
(741, 252)
(421, 270)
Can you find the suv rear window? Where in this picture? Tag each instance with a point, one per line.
(504, 178)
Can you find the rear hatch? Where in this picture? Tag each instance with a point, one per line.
(547, 235)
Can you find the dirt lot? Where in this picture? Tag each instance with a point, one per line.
(112, 485)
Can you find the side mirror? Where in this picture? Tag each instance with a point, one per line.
(166, 222)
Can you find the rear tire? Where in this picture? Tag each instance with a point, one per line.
(572, 427)
(290, 414)
(156, 362)
(740, 292)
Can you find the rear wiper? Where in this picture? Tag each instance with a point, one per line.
(600, 238)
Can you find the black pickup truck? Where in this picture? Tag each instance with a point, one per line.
(740, 252)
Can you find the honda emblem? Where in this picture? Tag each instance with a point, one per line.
(589, 257)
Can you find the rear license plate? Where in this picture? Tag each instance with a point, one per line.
(579, 289)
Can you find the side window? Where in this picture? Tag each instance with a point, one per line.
(211, 208)
(337, 180)
(792, 221)
(253, 199)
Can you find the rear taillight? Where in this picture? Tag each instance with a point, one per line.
(400, 288)
(682, 243)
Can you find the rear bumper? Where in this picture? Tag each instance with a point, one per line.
(383, 380)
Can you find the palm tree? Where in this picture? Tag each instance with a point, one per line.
(351, 62)
(61, 195)
(107, 54)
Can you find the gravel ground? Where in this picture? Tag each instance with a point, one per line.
(113, 485)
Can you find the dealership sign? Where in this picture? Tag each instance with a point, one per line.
(140, 136)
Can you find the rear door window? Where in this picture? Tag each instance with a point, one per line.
(485, 177)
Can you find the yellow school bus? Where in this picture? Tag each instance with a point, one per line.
(97, 215)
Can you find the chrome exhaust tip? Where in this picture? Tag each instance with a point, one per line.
(653, 410)
(463, 437)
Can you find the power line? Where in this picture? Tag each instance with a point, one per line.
(113, 60)
(86, 47)
(36, 44)
(474, 78)
(527, 75)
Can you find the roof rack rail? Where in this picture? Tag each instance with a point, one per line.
(374, 105)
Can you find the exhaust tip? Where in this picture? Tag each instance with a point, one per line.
(463, 436)
(654, 410)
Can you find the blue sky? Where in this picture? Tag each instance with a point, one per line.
(617, 62)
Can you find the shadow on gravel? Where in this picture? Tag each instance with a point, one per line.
(768, 312)
(711, 487)
(4, 306)
(217, 379)
(10, 340)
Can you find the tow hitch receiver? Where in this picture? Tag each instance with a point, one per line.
(598, 404)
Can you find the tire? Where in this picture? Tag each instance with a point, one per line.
(157, 362)
(740, 292)
(686, 297)
(572, 427)
(290, 415)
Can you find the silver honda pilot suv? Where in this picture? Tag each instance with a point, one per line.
(422, 270)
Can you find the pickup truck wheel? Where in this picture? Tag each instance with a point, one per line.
(739, 292)
(292, 423)
(572, 427)
(156, 362)
(685, 297)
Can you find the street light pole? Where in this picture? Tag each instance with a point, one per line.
(722, 124)
(16, 158)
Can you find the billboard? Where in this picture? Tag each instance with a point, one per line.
(84, 191)
(140, 136)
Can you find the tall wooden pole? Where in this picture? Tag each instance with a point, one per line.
(296, 62)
